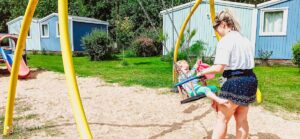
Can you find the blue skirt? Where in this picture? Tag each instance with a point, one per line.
(240, 87)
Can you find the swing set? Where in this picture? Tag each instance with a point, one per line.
(73, 91)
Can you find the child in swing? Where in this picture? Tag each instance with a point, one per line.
(192, 87)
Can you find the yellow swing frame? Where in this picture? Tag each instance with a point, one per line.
(77, 108)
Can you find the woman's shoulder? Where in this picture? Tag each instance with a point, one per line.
(233, 37)
(226, 41)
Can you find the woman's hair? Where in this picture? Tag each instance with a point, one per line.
(227, 17)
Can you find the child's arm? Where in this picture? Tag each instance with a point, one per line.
(212, 70)
(194, 68)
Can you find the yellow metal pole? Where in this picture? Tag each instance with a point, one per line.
(78, 111)
(259, 98)
(213, 15)
(16, 65)
(198, 2)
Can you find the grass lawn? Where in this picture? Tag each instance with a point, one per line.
(149, 72)
(280, 85)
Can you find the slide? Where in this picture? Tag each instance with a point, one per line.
(7, 55)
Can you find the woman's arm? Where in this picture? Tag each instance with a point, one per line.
(212, 70)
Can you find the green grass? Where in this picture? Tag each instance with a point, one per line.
(149, 72)
(2, 64)
(280, 85)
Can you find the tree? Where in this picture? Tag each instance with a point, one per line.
(5, 14)
(99, 9)
(77, 7)
(124, 32)
(45, 7)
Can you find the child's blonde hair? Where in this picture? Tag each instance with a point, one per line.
(179, 64)
(228, 17)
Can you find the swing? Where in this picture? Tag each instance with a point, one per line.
(195, 94)
(186, 97)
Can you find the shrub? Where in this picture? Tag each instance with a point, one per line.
(130, 53)
(97, 45)
(34, 52)
(187, 51)
(186, 38)
(124, 63)
(195, 51)
(265, 55)
(209, 55)
(182, 55)
(5, 42)
(153, 34)
(168, 57)
(144, 46)
(51, 53)
(148, 35)
(78, 54)
(44, 51)
(197, 48)
(296, 54)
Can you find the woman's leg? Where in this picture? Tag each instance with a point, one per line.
(242, 128)
(225, 111)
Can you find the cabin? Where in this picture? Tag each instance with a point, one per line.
(44, 35)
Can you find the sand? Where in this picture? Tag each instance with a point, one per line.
(116, 112)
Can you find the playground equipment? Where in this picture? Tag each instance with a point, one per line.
(7, 56)
(78, 112)
(186, 21)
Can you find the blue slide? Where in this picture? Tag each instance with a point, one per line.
(8, 56)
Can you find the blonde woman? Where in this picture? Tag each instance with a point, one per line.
(235, 59)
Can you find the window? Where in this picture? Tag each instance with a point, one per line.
(45, 31)
(273, 22)
(57, 30)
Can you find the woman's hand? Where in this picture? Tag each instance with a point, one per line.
(200, 73)
(197, 64)
(218, 68)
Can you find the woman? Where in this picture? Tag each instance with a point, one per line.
(235, 59)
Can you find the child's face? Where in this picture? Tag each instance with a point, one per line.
(184, 67)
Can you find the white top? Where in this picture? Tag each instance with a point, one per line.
(235, 52)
